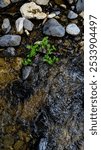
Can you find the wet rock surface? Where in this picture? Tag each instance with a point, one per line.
(41, 105)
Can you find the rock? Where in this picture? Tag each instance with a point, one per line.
(26, 72)
(43, 144)
(4, 3)
(28, 25)
(72, 15)
(53, 28)
(31, 10)
(19, 25)
(42, 2)
(80, 5)
(23, 23)
(72, 29)
(10, 40)
(6, 25)
(52, 15)
(10, 51)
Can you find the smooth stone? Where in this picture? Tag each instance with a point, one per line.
(52, 15)
(72, 29)
(10, 51)
(53, 28)
(6, 27)
(28, 25)
(32, 10)
(26, 72)
(10, 40)
(80, 6)
(42, 2)
(19, 25)
(72, 15)
(4, 3)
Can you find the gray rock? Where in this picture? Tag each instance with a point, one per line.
(53, 28)
(26, 72)
(4, 3)
(28, 25)
(72, 15)
(6, 27)
(72, 29)
(10, 51)
(10, 40)
(80, 5)
(43, 144)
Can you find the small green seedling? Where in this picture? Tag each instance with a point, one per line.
(39, 47)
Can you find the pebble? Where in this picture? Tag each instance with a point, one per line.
(80, 5)
(28, 25)
(32, 10)
(19, 25)
(10, 40)
(26, 72)
(4, 3)
(53, 28)
(6, 27)
(52, 15)
(72, 15)
(72, 29)
(42, 2)
(10, 51)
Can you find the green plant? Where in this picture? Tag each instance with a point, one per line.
(41, 46)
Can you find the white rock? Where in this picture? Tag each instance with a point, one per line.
(72, 29)
(32, 10)
(42, 2)
(19, 25)
(52, 15)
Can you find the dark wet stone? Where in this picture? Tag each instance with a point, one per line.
(53, 28)
(9, 52)
(21, 91)
(10, 40)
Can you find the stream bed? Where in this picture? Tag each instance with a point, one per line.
(42, 105)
